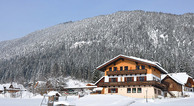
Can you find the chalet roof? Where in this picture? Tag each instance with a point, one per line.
(15, 86)
(139, 60)
(98, 89)
(176, 80)
(179, 77)
(99, 80)
(53, 93)
(90, 84)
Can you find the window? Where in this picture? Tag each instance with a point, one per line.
(113, 79)
(141, 78)
(115, 68)
(142, 67)
(133, 90)
(113, 90)
(139, 90)
(155, 91)
(121, 68)
(128, 90)
(129, 79)
(126, 67)
(159, 92)
(189, 84)
(137, 67)
(110, 69)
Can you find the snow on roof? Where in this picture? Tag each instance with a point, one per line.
(75, 83)
(91, 84)
(98, 80)
(158, 65)
(175, 79)
(4, 85)
(98, 89)
(52, 93)
(7, 85)
(179, 77)
(183, 77)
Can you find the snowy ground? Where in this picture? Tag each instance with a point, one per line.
(104, 100)
(187, 101)
(100, 100)
(26, 98)
(20, 102)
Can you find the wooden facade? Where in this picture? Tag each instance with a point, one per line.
(102, 80)
(123, 72)
(189, 83)
(134, 83)
(171, 84)
(126, 72)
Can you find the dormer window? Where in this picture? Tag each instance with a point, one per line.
(137, 67)
(126, 68)
(142, 67)
(115, 68)
(110, 69)
(121, 68)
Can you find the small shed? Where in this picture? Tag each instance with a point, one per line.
(53, 96)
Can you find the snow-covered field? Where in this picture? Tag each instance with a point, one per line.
(187, 101)
(20, 101)
(100, 100)
(27, 99)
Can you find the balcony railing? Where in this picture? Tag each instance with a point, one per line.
(126, 72)
(152, 83)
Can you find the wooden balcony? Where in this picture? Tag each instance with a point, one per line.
(126, 72)
(134, 83)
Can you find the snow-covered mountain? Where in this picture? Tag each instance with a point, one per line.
(76, 48)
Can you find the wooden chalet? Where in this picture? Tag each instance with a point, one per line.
(174, 87)
(131, 76)
(178, 83)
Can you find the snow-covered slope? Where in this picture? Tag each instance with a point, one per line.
(77, 48)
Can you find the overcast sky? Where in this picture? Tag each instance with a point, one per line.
(21, 17)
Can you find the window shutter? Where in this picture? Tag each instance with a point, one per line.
(116, 90)
(116, 79)
(132, 78)
(125, 79)
(145, 78)
(109, 90)
(137, 78)
(109, 79)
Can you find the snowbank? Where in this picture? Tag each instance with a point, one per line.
(104, 100)
(188, 101)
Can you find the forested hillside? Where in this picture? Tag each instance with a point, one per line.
(77, 48)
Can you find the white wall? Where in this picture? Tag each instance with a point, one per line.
(149, 77)
(106, 79)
